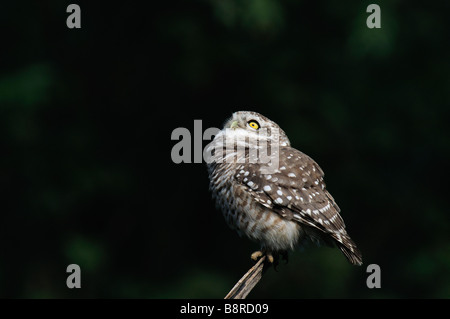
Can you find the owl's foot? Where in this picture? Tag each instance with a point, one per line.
(258, 254)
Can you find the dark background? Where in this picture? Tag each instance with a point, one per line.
(86, 117)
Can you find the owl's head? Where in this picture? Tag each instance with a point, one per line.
(253, 124)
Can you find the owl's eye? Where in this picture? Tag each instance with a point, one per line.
(253, 124)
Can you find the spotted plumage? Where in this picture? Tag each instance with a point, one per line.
(281, 203)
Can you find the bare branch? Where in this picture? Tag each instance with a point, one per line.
(248, 281)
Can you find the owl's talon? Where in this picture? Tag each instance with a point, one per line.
(256, 255)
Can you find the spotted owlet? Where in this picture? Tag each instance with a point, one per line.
(271, 192)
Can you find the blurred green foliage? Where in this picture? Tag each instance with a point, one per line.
(86, 118)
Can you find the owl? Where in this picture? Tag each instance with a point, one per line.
(271, 192)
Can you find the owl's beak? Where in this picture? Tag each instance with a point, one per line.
(234, 125)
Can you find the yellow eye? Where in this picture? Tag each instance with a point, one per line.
(253, 124)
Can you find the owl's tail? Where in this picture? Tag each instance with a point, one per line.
(348, 247)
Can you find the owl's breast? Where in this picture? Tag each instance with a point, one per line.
(244, 214)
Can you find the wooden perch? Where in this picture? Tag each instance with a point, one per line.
(248, 281)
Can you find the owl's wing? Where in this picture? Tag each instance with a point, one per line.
(296, 191)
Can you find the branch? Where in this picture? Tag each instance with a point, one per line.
(248, 281)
